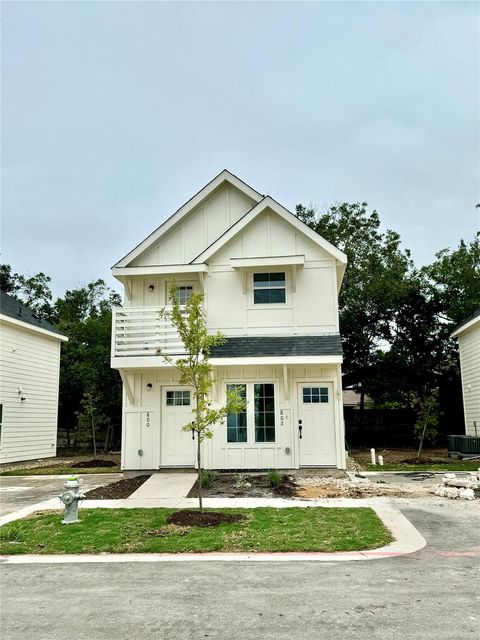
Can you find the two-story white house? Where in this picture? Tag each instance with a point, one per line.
(270, 285)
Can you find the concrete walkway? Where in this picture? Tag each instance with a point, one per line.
(164, 486)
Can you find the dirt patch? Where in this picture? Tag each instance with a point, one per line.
(203, 519)
(95, 464)
(61, 461)
(403, 456)
(320, 488)
(246, 485)
(117, 490)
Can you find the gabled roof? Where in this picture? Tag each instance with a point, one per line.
(12, 309)
(203, 194)
(468, 324)
(270, 203)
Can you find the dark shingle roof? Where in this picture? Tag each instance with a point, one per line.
(18, 311)
(256, 346)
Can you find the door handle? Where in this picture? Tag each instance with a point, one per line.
(300, 429)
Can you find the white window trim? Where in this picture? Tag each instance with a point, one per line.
(251, 413)
(270, 305)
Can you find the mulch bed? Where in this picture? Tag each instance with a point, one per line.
(227, 485)
(203, 519)
(95, 464)
(422, 460)
(117, 490)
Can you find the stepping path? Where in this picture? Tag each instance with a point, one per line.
(165, 486)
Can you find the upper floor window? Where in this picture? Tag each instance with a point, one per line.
(269, 288)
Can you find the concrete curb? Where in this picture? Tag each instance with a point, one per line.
(407, 541)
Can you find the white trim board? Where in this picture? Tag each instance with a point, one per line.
(31, 327)
(465, 327)
(261, 261)
(167, 269)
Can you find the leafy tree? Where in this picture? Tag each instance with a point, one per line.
(454, 280)
(33, 291)
(85, 316)
(196, 371)
(375, 282)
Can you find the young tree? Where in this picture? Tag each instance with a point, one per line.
(196, 371)
(85, 316)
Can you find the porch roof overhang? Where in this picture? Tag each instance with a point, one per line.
(166, 269)
(275, 360)
(299, 347)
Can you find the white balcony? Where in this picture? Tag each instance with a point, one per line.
(139, 332)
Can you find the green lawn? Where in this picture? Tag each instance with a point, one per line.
(53, 471)
(454, 465)
(136, 530)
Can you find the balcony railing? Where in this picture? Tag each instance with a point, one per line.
(142, 331)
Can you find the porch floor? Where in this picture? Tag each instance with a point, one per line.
(165, 485)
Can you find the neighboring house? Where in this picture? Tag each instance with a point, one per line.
(29, 377)
(468, 336)
(270, 284)
(352, 398)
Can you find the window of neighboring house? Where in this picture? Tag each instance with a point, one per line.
(256, 423)
(184, 293)
(269, 288)
(178, 398)
(237, 422)
(315, 395)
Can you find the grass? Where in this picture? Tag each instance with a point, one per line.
(53, 471)
(455, 465)
(146, 531)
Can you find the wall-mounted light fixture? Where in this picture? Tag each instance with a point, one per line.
(149, 386)
(22, 399)
(151, 287)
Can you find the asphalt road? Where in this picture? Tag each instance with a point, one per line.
(432, 594)
(22, 491)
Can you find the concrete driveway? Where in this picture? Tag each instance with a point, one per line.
(430, 595)
(17, 492)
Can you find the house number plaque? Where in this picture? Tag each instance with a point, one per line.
(147, 418)
(284, 417)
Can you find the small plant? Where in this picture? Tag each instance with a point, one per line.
(209, 478)
(274, 479)
(241, 482)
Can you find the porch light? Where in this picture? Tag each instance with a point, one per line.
(149, 386)
(151, 287)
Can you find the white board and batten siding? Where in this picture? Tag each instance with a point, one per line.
(469, 348)
(29, 369)
(152, 436)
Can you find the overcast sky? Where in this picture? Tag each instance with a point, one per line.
(115, 113)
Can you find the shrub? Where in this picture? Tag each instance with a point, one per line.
(208, 478)
(274, 479)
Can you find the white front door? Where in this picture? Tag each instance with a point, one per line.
(316, 424)
(176, 446)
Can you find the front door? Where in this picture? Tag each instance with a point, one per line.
(176, 446)
(316, 425)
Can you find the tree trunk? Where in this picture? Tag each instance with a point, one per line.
(94, 438)
(419, 453)
(199, 465)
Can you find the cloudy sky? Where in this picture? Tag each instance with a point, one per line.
(115, 113)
